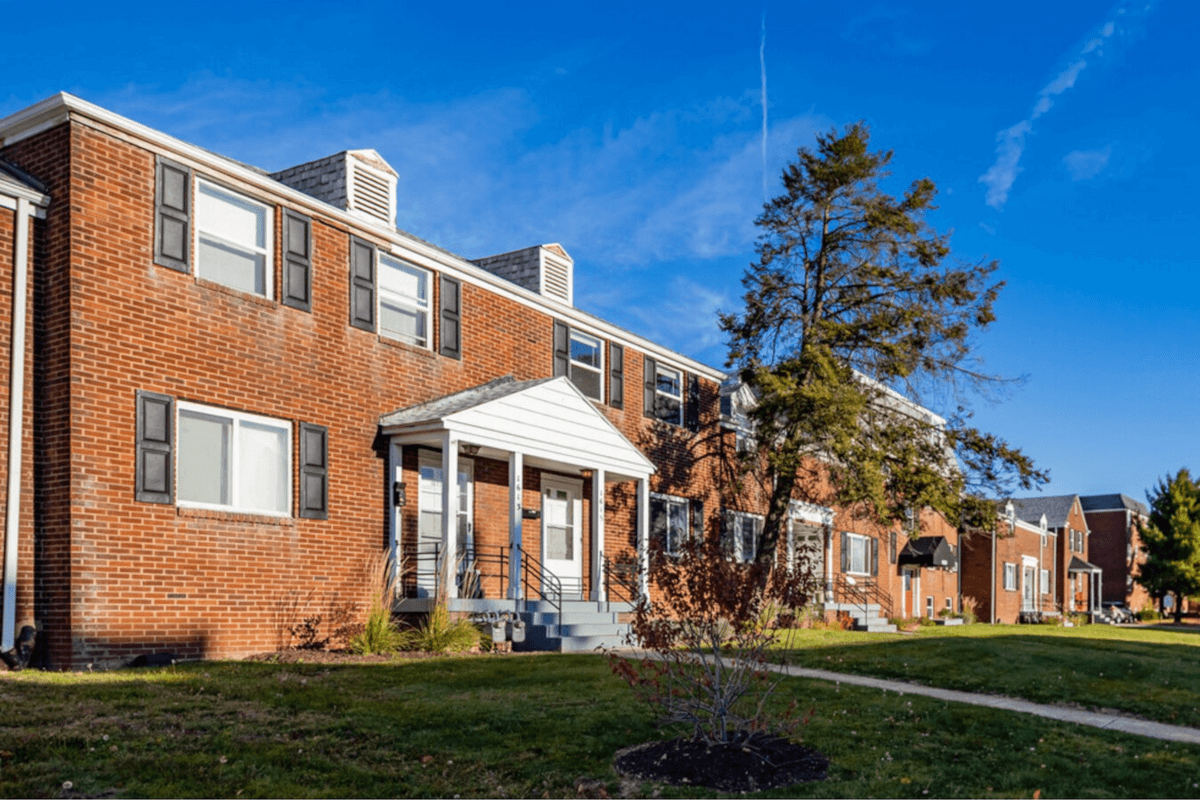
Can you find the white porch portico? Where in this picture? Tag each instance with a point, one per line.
(546, 425)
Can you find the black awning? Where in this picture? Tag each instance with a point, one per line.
(928, 551)
(1079, 565)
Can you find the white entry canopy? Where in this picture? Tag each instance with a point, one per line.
(548, 420)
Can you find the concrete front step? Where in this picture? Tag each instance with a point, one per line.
(581, 626)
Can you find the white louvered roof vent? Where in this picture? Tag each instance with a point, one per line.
(358, 181)
(545, 269)
(371, 185)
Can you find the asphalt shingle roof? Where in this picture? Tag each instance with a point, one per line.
(441, 407)
(1056, 509)
(1108, 502)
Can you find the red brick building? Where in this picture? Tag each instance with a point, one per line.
(1116, 546)
(1009, 575)
(239, 388)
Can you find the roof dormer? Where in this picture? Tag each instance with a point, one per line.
(358, 181)
(545, 269)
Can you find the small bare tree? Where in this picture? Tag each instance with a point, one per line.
(705, 644)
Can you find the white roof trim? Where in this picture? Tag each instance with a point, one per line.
(810, 512)
(56, 109)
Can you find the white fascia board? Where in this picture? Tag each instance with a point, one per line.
(54, 110)
(11, 191)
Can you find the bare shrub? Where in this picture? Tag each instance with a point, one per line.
(704, 644)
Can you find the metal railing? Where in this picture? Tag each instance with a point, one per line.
(480, 568)
(863, 593)
(623, 577)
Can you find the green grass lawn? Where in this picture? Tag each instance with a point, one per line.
(1147, 672)
(515, 726)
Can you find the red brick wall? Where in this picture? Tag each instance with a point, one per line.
(977, 572)
(117, 577)
(1115, 547)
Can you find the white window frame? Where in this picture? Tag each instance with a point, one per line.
(1045, 575)
(234, 473)
(659, 369)
(1010, 577)
(267, 250)
(929, 612)
(589, 340)
(687, 521)
(851, 539)
(736, 520)
(416, 305)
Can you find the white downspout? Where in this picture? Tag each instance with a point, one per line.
(16, 415)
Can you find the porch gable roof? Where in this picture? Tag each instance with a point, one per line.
(546, 418)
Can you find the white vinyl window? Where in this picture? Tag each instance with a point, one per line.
(1045, 581)
(668, 394)
(587, 364)
(404, 301)
(929, 606)
(233, 461)
(1010, 577)
(669, 522)
(233, 240)
(741, 535)
(859, 554)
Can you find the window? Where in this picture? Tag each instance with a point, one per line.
(949, 605)
(741, 535)
(235, 461)
(586, 370)
(929, 606)
(668, 394)
(669, 522)
(233, 240)
(403, 301)
(859, 550)
(1045, 581)
(1010, 577)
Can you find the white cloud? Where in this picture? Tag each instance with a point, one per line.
(1086, 164)
(1010, 143)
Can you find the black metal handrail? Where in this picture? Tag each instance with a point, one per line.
(549, 587)
(410, 570)
(863, 593)
(625, 574)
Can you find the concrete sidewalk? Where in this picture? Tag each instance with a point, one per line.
(1112, 722)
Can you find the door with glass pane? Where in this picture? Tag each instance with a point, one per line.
(562, 534)
(429, 526)
(1027, 586)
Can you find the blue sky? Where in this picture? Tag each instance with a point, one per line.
(1061, 135)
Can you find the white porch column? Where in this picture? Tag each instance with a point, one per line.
(643, 534)
(598, 535)
(395, 512)
(449, 573)
(516, 493)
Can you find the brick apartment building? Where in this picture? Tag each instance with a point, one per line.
(1116, 546)
(239, 387)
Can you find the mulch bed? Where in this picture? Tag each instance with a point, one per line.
(765, 763)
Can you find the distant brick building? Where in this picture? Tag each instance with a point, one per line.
(1115, 546)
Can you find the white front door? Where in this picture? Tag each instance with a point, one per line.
(562, 533)
(429, 528)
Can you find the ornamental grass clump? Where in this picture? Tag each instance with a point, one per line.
(379, 634)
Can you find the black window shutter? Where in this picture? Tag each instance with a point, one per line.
(697, 531)
(297, 260)
(562, 349)
(892, 547)
(727, 545)
(845, 552)
(450, 331)
(172, 215)
(691, 411)
(153, 481)
(874, 556)
(616, 375)
(649, 380)
(314, 471)
(362, 284)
